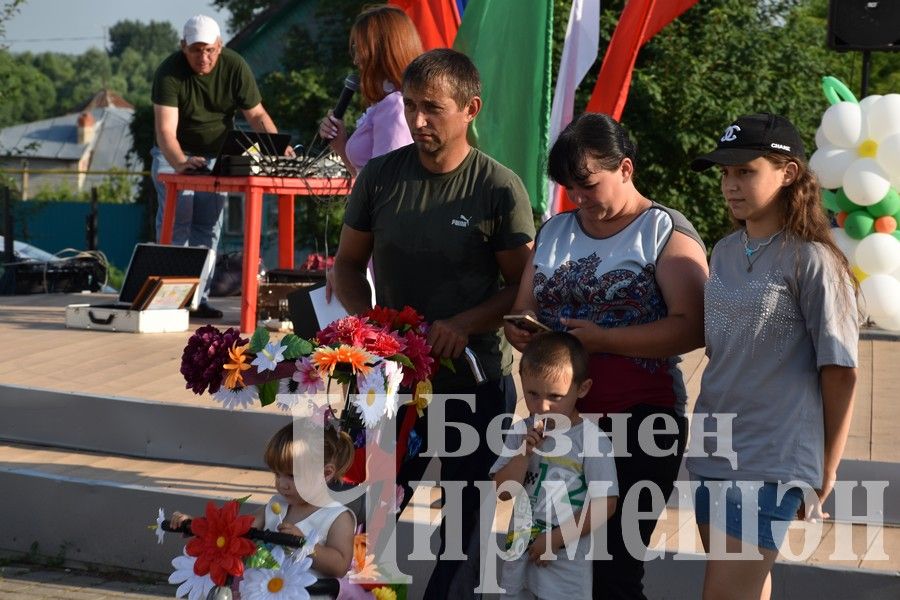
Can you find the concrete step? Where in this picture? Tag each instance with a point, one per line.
(95, 508)
(139, 428)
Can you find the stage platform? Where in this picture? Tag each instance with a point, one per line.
(98, 431)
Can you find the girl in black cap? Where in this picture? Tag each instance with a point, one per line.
(781, 336)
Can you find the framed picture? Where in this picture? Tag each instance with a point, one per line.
(165, 293)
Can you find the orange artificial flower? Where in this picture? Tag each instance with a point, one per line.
(234, 379)
(326, 359)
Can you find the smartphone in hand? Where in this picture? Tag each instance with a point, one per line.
(526, 322)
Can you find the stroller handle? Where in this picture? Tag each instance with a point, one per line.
(271, 537)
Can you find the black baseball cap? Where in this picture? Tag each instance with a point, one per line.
(750, 137)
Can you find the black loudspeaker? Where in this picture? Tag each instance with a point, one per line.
(864, 25)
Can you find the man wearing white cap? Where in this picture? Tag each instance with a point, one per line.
(196, 93)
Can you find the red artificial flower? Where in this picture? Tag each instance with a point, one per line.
(384, 343)
(349, 330)
(382, 315)
(408, 316)
(419, 353)
(219, 544)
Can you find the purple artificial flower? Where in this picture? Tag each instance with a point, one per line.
(204, 356)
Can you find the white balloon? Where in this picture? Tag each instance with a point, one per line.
(884, 117)
(821, 140)
(830, 163)
(845, 243)
(882, 296)
(878, 253)
(865, 182)
(889, 155)
(865, 106)
(842, 124)
(891, 323)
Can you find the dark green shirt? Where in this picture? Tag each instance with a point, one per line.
(435, 236)
(206, 103)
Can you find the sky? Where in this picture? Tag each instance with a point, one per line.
(50, 25)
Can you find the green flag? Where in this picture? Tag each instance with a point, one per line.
(510, 42)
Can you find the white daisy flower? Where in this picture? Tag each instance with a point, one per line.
(269, 357)
(859, 148)
(160, 534)
(193, 586)
(237, 398)
(393, 375)
(286, 397)
(286, 583)
(371, 399)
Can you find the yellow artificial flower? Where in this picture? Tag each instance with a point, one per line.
(326, 359)
(422, 396)
(234, 379)
(384, 593)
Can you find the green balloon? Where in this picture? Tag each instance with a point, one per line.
(896, 233)
(844, 203)
(859, 224)
(888, 205)
(835, 90)
(829, 201)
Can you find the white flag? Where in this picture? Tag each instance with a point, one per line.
(579, 53)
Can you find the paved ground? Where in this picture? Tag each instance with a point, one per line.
(24, 582)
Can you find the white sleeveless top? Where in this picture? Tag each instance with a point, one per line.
(318, 523)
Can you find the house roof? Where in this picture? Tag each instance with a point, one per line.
(258, 24)
(262, 42)
(107, 98)
(57, 138)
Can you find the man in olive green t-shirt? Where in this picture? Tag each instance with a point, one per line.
(443, 222)
(196, 92)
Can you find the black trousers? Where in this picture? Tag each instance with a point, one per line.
(621, 577)
(491, 399)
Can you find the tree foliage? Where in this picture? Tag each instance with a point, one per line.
(316, 62)
(8, 9)
(243, 11)
(46, 84)
(113, 188)
(721, 59)
(153, 38)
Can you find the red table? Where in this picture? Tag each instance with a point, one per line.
(253, 189)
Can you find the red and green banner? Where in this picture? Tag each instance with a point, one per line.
(640, 21)
(436, 20)
(510, 43)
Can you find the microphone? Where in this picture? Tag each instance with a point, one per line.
(351, 84)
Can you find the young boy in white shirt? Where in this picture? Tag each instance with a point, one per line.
(562, 478)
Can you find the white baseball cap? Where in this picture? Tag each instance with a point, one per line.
(201, 28)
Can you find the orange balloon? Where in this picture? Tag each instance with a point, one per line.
(841, 217)
(886, 224)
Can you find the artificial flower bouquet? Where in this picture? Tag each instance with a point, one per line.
(372, 354)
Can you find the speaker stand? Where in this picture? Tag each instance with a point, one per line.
(866, 67)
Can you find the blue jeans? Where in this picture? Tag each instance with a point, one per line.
(198, 215)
